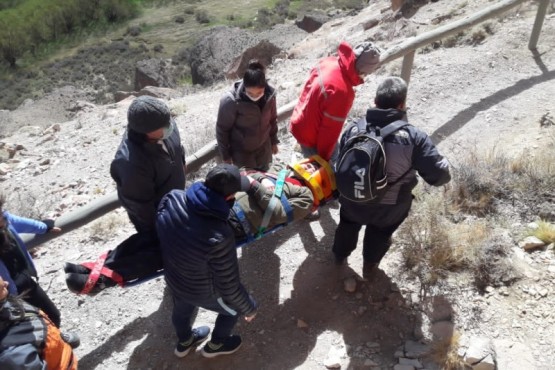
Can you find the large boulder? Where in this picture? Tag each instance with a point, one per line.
(210, 56)
(154, 72)
(312, 21)
(264, 51)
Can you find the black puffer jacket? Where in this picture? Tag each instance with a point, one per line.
(144, 172)
(198, 248)
(244, 125)
(408, 149)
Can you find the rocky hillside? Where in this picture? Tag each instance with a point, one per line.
(478, 92)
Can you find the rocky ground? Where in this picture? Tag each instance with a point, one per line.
(470, 95)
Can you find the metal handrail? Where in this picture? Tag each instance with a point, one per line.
(406, 49)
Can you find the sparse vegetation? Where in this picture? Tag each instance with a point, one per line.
(435, 246)
(445, 353)
(545, 232)
(105, 227)
(202, 16)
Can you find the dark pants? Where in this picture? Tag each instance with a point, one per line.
(184, 311)
(381, 222)
(33, 294)
(259, 159)
(136, 257)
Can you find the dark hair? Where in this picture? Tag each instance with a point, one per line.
(255, 75)
(391, 93)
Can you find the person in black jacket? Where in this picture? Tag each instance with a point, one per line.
(246, 128)
(200, 260)
(149, 162)
(409, 150)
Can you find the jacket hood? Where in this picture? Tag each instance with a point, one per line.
(383, 117)
(347, 60)
(206, 201)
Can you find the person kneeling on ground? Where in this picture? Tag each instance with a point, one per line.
(200, 260)
(28, 338)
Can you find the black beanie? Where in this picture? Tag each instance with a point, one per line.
(147, 114)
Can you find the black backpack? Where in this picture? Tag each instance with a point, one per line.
(360, 170)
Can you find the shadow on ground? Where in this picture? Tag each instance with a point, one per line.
(376, 315)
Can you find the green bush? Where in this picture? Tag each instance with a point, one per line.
(202, 16)
(28, 25)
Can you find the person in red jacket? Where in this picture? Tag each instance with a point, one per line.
(328, 95)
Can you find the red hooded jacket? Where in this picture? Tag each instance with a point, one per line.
(326, 100)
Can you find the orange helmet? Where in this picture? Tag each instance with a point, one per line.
(321, 181)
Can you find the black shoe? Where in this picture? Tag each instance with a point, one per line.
(182, 349)
(369, 270)
(313, 216)
(339, 261)
(72, 339)
(76, 283)
(229, 345)
(72, 267)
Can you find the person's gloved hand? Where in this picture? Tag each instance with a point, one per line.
(50, 226)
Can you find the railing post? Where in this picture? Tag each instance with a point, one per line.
(540, 16)
(406, 68)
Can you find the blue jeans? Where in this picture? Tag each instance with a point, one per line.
(184, 311)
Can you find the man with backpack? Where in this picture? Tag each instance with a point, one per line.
(381, 201)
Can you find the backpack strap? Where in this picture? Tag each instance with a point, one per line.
(275, 197)
(243, 220)
(392, 127)
(362, 125)
(388, 130)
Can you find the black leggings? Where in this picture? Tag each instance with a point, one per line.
(38, 298)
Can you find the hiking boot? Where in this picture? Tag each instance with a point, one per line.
(229, 345)
(339, 261)
(76, 283)
(369, 270)
(72, 267)
(199, 334)
(72, 339)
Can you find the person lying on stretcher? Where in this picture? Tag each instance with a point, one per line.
(282, 195)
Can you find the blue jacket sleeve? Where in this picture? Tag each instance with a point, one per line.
(21, 357)
(5, 274)
(26, 225)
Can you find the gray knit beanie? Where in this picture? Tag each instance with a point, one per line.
(367, 58)
(147, 114)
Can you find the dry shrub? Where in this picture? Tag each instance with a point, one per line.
(545, 232)
(436, 246)
(444, 352)
(105, 227)
(494, 266)
(480, 180)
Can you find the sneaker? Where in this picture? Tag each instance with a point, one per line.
(182, 349)
(72, 339)
(76, 282)
(72, 267)
(230, 345)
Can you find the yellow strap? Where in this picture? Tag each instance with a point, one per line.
(315, 187)
(328, 169)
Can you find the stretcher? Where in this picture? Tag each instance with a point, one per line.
(320, 180)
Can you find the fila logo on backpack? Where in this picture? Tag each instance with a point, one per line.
(360, 170)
